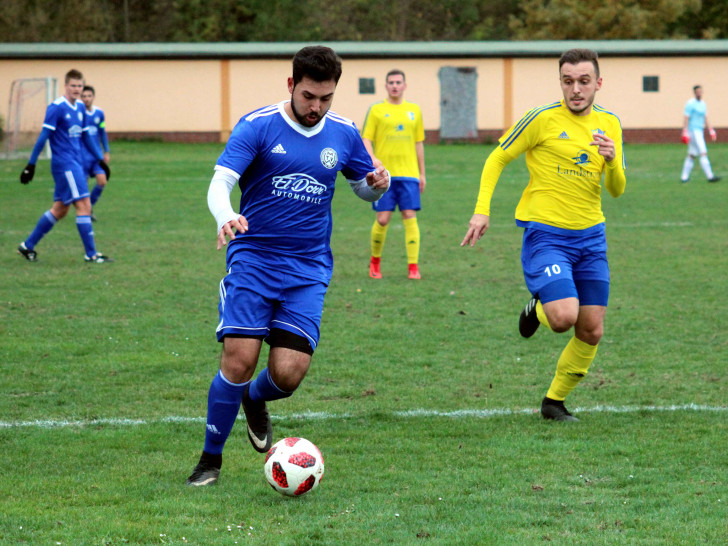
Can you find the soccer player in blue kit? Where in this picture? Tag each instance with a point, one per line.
(97, 130)
(285, 158)
(65, 127)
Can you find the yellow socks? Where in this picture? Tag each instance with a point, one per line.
(412, 240)
(379, 236)
(573, 365)
(542, 315)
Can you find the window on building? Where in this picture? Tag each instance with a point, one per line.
(366, 86)
(650, 84)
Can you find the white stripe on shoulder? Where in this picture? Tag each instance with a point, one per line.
(333, 116)
(262, 112)
(51, 127)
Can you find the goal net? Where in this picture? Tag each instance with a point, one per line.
(29, 98)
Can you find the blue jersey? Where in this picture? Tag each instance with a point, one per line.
(66, 122)
(696, 110)
(96, 127)
(286, 175)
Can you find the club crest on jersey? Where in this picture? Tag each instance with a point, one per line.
(329, 158)
(80, 116)
(582, 158)
(97, 119)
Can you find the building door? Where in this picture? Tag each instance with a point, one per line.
(458, 102)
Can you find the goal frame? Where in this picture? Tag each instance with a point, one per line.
(13, 119)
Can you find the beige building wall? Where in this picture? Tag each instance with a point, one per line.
(623, 88)
(255, 83)
(209, 96)
(137, 96)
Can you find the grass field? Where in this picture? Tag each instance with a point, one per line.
(421, 396)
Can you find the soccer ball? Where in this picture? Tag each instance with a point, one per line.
(294, 466)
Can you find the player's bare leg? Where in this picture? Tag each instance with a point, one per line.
(286, 369)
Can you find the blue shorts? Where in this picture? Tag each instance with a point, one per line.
(92, 168)
(254, 299)
(70, 183)
(558, 265)
(404, 192)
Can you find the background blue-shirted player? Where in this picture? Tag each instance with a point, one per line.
(97, 129)
(65, 127)
(694, 124)
(285, 158)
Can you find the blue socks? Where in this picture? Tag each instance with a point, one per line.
(86, 230)
(263, 388)
(223, 405)
(96, 193)
(44, 225)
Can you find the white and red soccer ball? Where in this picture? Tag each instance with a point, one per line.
(294, 466)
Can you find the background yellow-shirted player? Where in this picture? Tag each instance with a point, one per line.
(394, 136)
(569, 145)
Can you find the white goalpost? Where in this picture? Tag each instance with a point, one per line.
(29, 98)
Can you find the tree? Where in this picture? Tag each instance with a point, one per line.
(710, 22)
(357, 20)
(47, 21)
(607, 20)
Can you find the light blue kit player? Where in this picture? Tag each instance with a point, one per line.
(65, 127)
(285, 158)
(96, 122)
(695, 121)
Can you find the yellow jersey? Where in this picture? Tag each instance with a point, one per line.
(393, 130)
(564, 189)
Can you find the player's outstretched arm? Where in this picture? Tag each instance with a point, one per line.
(372, 186)
(476, 229)
(239, 224)
(218, 201)
(494, 165)
(378, 179)
(29, 171)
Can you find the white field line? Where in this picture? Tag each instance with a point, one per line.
(324, 416)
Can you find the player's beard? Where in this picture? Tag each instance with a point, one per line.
(585, 106)
(305, 120)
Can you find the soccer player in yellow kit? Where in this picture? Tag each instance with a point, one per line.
(394, 136)
(569, 145)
